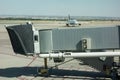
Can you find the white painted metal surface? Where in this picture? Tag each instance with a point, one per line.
(82, 54)
(36, 42)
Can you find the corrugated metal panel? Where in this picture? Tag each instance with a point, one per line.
(66, 39)
(101, 38)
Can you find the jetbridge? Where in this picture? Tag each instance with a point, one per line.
(75, 42)
(26, 40)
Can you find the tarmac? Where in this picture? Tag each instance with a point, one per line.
(18, 67)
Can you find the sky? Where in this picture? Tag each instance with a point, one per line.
(105, 8)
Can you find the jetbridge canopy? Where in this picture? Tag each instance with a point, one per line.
(21, 37)
(25, 41)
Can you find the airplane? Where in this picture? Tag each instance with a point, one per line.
(72, 22)
(96, 46)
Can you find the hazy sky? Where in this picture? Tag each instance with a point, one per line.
(109, 8)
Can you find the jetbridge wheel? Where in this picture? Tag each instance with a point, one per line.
(79, 24)
(43, 72)
(114, 75)
(67, 25)
(115, 72)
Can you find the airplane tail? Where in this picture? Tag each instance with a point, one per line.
(69, 17)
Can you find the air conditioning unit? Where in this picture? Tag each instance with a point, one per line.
(86, 43)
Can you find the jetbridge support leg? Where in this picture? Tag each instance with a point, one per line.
(45, 63)
(44, 71)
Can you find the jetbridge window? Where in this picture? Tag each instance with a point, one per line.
(36, 38)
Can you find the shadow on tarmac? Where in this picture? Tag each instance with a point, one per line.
(32, 71)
